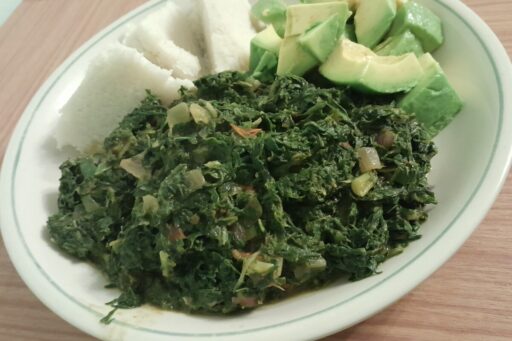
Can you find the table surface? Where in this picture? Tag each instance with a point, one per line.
(469, 298)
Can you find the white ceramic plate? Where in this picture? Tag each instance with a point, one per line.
(473, 160)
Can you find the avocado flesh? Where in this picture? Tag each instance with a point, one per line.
(293, 59)
(265, 41)
(422, 22)
(321, 39)
(356, 65)
(304, 16)
(347, 63)
(400, 44)
(272, 12)
(391, 74)
(352, 4)
(434, 102)
(266, 67)
(373, 20)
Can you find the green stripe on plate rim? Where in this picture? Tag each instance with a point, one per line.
(445, 230)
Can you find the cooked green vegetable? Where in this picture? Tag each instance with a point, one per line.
(256, 196)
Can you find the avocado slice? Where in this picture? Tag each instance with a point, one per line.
(304, 16)
(352, 4)
(266, 67)
(265, 41)
(272, 12)
(320, 40)
(422, 22)
(358, 66)
(373, 20)
(400, 44)
(293, 59)
(433, 100)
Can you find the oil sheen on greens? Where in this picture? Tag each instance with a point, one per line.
(245, 194)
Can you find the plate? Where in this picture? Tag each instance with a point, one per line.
(474, 157)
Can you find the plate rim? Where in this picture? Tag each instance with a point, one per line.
(7, 185)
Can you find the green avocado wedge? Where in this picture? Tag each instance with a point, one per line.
(373, 20)
(293, 59)
(266, 67)
(265, 41)
(320, 40)
(271, 12)
(434, 101)
(400, 44)
(422, 22)
(302, 17)
(357, 66)
(352, 4)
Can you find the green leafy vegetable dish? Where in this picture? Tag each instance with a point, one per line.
(255, 186)
(244, 192)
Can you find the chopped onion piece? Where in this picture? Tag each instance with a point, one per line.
(211, 109)
(368, 159)
(178, 114)
(134, 167)
(199, 114)
(363, 184)
(386, 138)
(166, 264)
(318, 264)
(150, 204)
(260, 268)
(195, 179)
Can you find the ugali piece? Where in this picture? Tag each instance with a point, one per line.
(170, 38)
(115, 84)
(227, 31)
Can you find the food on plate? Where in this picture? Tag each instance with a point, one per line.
(171, 38)
(301, 158)
(302, 17)
(373, 20)
(433, 100)
(243, 192)
(320, 40)
(265, 48)
(228, 29)
(294, 57)
(115, 83)
(399, 44)
(379, 50)
(271, 12)
(356, 65)
(161, 53)
(421, 21)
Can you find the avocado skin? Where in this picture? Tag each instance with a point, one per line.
(434, 102)
(422, 22)
(400, 44)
